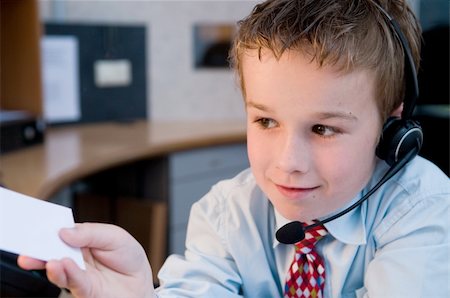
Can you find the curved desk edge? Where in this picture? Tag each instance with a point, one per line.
(73, 152)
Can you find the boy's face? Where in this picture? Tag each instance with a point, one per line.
(311, 132)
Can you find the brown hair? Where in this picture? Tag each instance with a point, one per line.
(348, 34)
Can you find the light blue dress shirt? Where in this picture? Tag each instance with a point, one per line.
(396, 244)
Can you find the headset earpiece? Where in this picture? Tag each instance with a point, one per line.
(398, 138)
(401, 136)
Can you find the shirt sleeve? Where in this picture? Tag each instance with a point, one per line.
(207, 269)
(411, 257)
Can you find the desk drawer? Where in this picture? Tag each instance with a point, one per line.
(188, 164)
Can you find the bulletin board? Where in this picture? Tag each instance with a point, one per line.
(108, 44)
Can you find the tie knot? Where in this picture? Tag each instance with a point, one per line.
(311, 237)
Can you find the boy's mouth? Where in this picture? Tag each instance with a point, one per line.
(295, 193)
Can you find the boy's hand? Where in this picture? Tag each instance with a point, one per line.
(116, 264)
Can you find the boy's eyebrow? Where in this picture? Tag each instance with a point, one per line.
(257, 106)
(342, 115)
(320, 115)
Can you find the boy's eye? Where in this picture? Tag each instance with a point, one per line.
(323, 130)
(266, 122)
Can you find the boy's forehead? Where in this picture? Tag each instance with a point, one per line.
(263, 74)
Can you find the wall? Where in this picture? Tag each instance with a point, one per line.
(175, 89)
(434, 13)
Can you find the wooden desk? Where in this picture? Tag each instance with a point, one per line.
(73, 152)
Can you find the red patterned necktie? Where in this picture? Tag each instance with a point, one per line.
(306, 275)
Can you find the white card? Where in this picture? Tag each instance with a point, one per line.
(30, 227)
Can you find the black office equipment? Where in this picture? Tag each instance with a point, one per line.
(16, 282)
(19, 129)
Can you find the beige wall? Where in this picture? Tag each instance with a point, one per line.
(175, 89)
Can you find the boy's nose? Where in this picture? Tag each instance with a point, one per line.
(294, 155)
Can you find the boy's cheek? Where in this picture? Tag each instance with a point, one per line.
(350, 175)
(258, 147)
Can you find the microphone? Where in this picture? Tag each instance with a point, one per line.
(291, 233)
(294, 231)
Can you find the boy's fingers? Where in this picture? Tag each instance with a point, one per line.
(55, 273)
(66, 274)
(93, 235)
(77, 281)
(28, 263)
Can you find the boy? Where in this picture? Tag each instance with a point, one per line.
(319, 79)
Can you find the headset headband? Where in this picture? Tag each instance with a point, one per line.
(410, 73)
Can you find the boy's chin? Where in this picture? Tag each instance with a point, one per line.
(291, 214)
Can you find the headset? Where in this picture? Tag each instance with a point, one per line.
(400, 141)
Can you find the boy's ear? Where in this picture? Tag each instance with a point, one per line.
(398, 111)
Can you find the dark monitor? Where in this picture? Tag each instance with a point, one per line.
(17, 282)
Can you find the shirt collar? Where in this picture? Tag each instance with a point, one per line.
(349, 228)
(280, 221)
